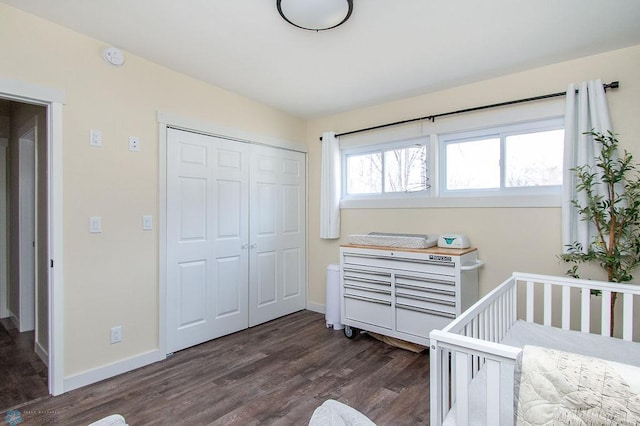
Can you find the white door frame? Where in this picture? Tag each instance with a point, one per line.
(53, 100)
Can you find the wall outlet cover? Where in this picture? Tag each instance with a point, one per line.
(134, 143)
(95, 138)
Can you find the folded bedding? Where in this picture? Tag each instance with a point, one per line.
(554, 387)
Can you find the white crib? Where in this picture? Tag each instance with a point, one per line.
(471, 364)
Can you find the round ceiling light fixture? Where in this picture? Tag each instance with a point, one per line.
(315, 15)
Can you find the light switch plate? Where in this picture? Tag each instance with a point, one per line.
(95, 138)
(116, 334)
(147, 222)
(95, 224)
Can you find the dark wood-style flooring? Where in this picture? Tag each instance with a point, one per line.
(273, 374)
(23, 376)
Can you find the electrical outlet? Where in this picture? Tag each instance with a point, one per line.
(134, 143)
(95, 138)
(116, 334)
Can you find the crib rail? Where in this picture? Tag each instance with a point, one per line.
(471, 342)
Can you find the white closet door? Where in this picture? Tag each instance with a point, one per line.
(277, 227)
(207, 236)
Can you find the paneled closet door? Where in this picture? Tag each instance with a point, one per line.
(207, 238)
(277, 273)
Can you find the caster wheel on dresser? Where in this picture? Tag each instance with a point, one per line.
(350, 332)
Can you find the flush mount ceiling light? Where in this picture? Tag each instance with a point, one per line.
(315, 15)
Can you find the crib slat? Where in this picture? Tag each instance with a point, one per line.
(445, 381)
(500, 325)
(529, 301)
(547, 304)
(606, 313)
(514, 303)
(585, 310)
(505, 314)
(462, 388)
(493, 392)
(566, 307)
(627, 315)
(492, 322)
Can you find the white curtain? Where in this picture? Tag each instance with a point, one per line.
(585, 111)
(330, 183)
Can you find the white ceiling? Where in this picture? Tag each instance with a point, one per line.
(389, 49)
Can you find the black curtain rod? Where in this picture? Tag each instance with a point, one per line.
(432, 118)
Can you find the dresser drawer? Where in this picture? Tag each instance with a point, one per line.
(375, 281)
(399, 263)
(429, 282)
(418, 323)
(355, 292)
(371, 311)
(430, 306)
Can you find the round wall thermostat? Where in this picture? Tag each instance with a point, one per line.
(114, 56)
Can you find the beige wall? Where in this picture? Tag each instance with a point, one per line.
(112, 278)
(508, 239)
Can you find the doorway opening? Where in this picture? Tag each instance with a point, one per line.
(24, 252)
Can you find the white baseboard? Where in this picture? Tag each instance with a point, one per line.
(42, 354)
(316, 307)
(101, 373)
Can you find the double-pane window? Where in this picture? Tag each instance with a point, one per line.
(386, 169)
(518, 157)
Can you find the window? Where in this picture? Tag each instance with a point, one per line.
(522, 157)
(386, 170)
(517, 164)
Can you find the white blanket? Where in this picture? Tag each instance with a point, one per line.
(334, 413)
(553, 387)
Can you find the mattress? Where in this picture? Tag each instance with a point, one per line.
(621, 354)
(381, 239)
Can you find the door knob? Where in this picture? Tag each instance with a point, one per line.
(244, 246)
(254, 245)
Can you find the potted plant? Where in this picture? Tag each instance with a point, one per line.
(612, 206)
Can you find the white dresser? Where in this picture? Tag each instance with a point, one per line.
(405, 293)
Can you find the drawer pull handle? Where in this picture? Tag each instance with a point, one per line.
(367, 272)
(366, 280)
(426, 280)
(424, 310)
(372, 290)
(475, 265)
(426, 299)
(430, 290)
(367, 299)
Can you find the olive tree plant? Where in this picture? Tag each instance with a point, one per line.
(612, 206)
